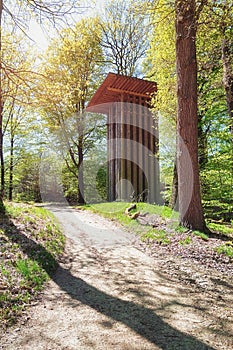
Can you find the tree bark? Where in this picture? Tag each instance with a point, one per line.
(174, 201)
(81, 199)
(2, 176)
(227, 58)
(202, 144)
(1, 119)
(11, 169)
(190, 206)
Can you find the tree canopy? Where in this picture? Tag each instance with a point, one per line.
(51, 91)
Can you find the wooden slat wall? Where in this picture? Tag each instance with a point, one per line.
(132, 145)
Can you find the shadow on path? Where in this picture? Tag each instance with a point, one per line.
(140, 319)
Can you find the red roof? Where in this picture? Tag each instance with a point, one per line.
(114, 86)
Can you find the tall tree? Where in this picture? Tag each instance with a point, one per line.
(226, 30)
(15, 126)
(70, 73)
(42, 9)
(16, 84)
(54, 11)
(124, 36)
(210, 90)
(214, 138)
(160, 66)
(1, 109)
(190, 206)
(214, 117)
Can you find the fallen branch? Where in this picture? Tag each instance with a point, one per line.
(134, 215)
(131, 207)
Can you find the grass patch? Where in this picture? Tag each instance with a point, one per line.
(218, 210)
(31, 242)
(201, 235)
(186, 241)
(160, 236)
(226, 250)
(181, 229)
(32, 275)
(116, 211)
(222, 229)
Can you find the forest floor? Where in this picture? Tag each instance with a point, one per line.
(112, 291)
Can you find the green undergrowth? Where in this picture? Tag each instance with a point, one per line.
(201, 235)
(226, 250)
(160, 236)
(218, 210)
(186, 241)
(222, 229)
(31, 242)
(225, 231)
(116, 211)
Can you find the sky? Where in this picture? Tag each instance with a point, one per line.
(40, 38)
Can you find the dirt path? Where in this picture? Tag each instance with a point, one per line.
(107, 294)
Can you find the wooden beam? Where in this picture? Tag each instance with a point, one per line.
(129, 92)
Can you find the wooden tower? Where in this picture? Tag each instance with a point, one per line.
(132, 136)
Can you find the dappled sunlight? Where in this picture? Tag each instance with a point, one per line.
(111, 294)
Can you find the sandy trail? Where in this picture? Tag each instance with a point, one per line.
(109, 295)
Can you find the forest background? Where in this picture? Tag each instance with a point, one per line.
(44, 139)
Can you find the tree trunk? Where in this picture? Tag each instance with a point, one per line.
(174, 201)
(11, 170)
(190, 206)
(81, 107)
(202, 144)
(1, 117)
(227, 58)
(2, 176)
(80, 171)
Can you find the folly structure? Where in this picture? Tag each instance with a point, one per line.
(132, 137)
